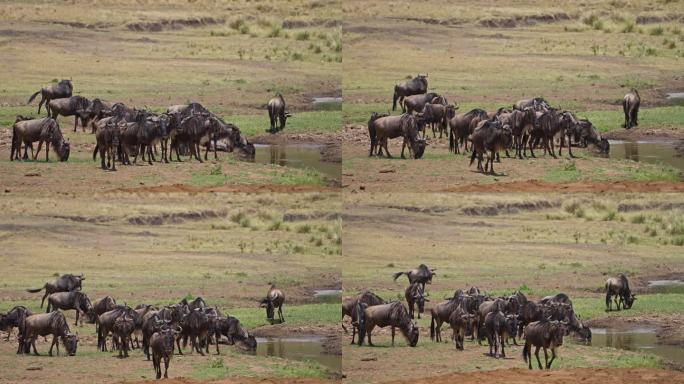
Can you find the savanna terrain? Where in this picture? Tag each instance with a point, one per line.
(158, 248)
(231, 57)
(582, 57)
(538, 244)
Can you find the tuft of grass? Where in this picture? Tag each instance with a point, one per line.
(302, 36)
(305, 228)
(656, 31)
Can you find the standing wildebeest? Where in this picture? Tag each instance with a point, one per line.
(520, 121)
(193, 130)
(350, 307)
(461, 126)
(435, 113)
(274, 299)
(618, 288)
(415, 295)
(76, 106)
(101, 306)
(537, 103)
(630, 106)
(461, 323)
(76, 300)
(231, 328)
(543, 334)
(54, 91)
(41, 130)
(381, 129)
(195, 327)
(64, 283)
(440, 314)
(277, 113)
(422, 275)
(161, 344)
(108, 142)
(499, 328)
(53, 323)
(14, 318)
(121, 333)
(393, 314)
(415, 103)
(415, 86)
(197, 302)
(490, 137)
(105, 324)
(584, 132)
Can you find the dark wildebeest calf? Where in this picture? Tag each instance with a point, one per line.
(415, 296)
(618, 289)
(54, 91)
(630, 106)
(394, 315)
(543, 334)
(76, 300)
(64, 283)
(415, 86)
(43, 324)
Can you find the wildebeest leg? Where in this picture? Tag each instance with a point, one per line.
(384, 144)
(546, 359)
(553, 356)
(369, 339)
(393, 331)
(180, 351)
(280, 314)
(77, 313)
(156, 362)
(33, 343)
(502, 342)
(54, 341)
(166, 366)
(149, 154)
(536, 353)
(198, 153)
(76, 123)
(617, 302)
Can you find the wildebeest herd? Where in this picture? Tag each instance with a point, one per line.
(529, 124)
(158, 331)
(122, 131)
(500, 320)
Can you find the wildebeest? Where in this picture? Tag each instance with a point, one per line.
(520, 121)
(499, 328)
(231, 328)
(101, 306)
(64, 283)
(76, 106)
(121, 333)
(461, 323)
(108, 141)
(415, 103)
(383, 128)
(161, 344)
(277, 113)
(105, 324)
(197, 302)
(14, 318)
(76, 300)
(422, 275)
(43, 324)
(440, 313)
(220, 130)
(617, 288)
(537, 103)
(195, 327)
(630, 106)
(490, 137)
(192, 130)
(584, 132)
(42, 130)
(415, 86)
(461, 126)
(54, 91)
(433, 113)
(394, 315)
(350, 306)
(415, 296)
(274, 299)
(543, 334)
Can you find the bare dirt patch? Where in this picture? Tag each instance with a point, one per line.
(581, 186)
(236, 380)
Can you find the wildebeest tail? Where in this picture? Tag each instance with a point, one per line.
(360, 322)
(395, 97)
(95, 152)
(472, 157)
(607, 294)
(35, 290)
(526, 352)
(432, 328)
(14, 144)
(396, 275)
(372, 134)
(32, 97)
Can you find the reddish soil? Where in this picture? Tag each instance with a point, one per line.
(237, 381)
(278, 188)
(563, 376)
(581, 186)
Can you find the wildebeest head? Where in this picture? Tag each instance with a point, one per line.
(412, 334)
(70, 342)
(419, 148)
(556, 331)
(420, 299)
(63, 151)
(629, 300)
(451, 111)
(512, 324)
(268, 304)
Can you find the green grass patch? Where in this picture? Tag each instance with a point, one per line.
(647, 304)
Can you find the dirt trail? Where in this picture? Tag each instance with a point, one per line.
(237, 381)
(580, 186)
(569, 376)
(228, 188)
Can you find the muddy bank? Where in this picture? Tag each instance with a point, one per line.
(580, 186)
(561, 376)
(650, 134)
(670, 328)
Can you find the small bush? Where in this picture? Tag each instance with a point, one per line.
(275, 226)
(610, 216)
(236, 24)
(678, 241)
(237, 218)
(244, 29)
(638, 219)
(628, 27)
(297, 56)
(656, 31)
(275, 31)
(306, 228)
(302, 36)
(590, 20)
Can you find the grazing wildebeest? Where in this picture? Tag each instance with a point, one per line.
(64, 283)
(415, 103)
(108, 142)
(543, 334)
(584, 132)
(498, 328)
(161, 343)
(422, 275)
(537, 103)
(394, 315)
(490, 137)
(461, 323)
(121, 333)
(14, 318)
(231, 328)
(220, 130)
(415, 86)
(274, 299)
(461, 126)
(43, 324)
(618, 289)
(41, 130)
(76, 106)
(76, 300)
(415, 296)
(383, 128)
(630, 106)
(54, 91)
(277, 113)
(349, 307)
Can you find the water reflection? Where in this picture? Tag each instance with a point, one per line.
(646, 151)
(638, 339)
(299, 348)
(297, 156)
